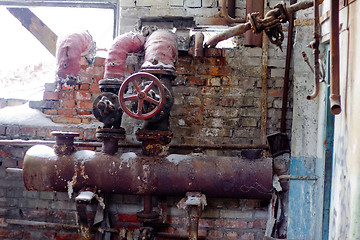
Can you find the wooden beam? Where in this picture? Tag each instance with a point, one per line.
(34, 25)
(110, 4)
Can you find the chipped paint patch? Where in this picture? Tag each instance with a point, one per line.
(177, 158)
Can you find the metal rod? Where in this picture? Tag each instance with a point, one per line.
(298, 177)
(287, 70)
(29, 143)
(14, 170)
(335, 104)
(264, 88)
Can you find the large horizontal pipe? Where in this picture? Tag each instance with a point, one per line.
(128, 173)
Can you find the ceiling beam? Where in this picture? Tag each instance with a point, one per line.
(60, 3)
(34, 25)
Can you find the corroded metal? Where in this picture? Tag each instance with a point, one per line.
(110, 137)
(154, 142)
(128, 173)
(64, 144)
(106, 109)
(335, 104)
(250, 38)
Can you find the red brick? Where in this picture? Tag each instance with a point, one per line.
(211, 101)
(129, 69)
(129, 218)
(85, 86)
(222, 223)
(64, 119)
(96, 79)
(231, 235)
(84, 104)
(68, 103)
(261, 224)
(85, 77)
(68, 236)
(227, 102)
(195, 81)
(89, 135)
(99, 61)
(206, 223)
(5, 233)
(185, 70)
(28, 131)
(50, 111)
(65, 87)
(83, 112)
(66, 111)
(248, 236)
(51, 96)
(215, 234)
(83, 95)
(12, 130)
(66, 94)
(213, 52)
(213, 82)
(275, 92)
(95, 88)
(95, 70)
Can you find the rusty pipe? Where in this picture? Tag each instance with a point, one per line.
(289, 50)
(315, 45)
(129, 173)
(198, 46)
(335, 104)
(231, 32)
(118, 52)
(224, 4)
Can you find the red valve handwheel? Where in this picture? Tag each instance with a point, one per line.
(141, 95)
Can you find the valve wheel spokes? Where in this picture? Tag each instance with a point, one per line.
(141, 95)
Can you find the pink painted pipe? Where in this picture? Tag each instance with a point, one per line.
(123, 44)
(69, 50)
(160, 50)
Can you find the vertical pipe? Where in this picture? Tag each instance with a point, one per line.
(334, 58)
(264, 62)
(252, 39)
(194, 216)
(147, 204)
(316, 51)
(287, 70)
(231, 8)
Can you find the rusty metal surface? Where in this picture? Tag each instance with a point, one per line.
(315, 46)
(335, 104)
(64, 144)
(227, 7)
(264, 89)
(199, 48)
(129, 173)
(250, 38)
(231, 32)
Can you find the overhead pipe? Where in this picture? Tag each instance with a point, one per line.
(229, 6)
(315, 46)
(335, 104)
(272, 20)
(69, 50)
(129, 173)
(123, 45)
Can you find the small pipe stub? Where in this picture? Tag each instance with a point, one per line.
(110, 138)
(64, 142)
(154, 142)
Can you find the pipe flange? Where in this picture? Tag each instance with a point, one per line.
(154, 135)
(64, 142)
(284, 14)
(147, 217)
(111, 133)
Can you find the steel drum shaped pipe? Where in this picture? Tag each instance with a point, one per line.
(128, 173)
(122, 46)
(160, 50)
(69, 50)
